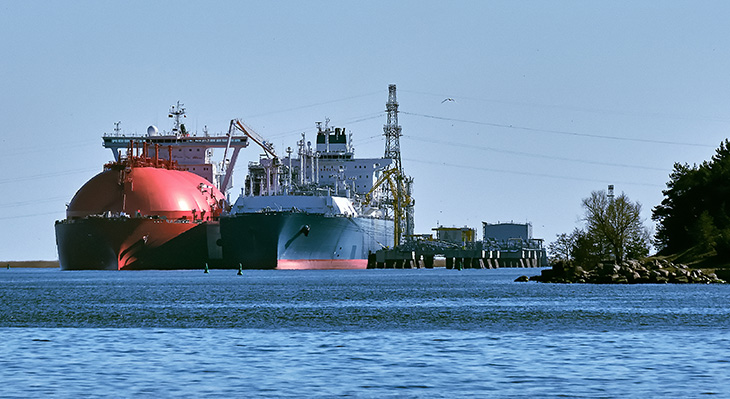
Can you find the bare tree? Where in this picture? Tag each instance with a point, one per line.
(564, 245)
(616, 223)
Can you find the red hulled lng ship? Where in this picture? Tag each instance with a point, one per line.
(156, 207)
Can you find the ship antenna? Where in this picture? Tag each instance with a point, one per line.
(117, 129)
(288, 183)
(176, 112)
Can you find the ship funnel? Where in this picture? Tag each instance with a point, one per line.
(152, 130)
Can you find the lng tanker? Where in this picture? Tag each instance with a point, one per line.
(156, 206)
(322, 208)
(309, 211)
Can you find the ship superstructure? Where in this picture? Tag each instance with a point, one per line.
(192, 153)
(328, 168)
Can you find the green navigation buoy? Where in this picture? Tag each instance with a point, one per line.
(206, 268)
(240, 269)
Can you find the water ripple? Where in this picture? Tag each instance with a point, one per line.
(380, 333)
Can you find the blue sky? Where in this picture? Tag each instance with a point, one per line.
(553, 99)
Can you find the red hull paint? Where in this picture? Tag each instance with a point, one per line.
(321, 264)
(134, 243)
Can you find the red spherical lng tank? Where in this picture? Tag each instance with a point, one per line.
(140, 217)
(147, 191)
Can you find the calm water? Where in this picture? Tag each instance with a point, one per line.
(360, 333)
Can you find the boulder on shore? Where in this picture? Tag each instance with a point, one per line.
(650, 271)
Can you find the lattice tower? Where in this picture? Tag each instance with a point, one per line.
(392, 129)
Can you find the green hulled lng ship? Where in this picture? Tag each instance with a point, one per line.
(318, 207)
(308, 211)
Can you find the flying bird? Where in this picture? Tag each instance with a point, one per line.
(448, 99)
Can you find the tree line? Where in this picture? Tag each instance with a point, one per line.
(695, 213)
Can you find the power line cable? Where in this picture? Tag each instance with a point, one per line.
(530, 173)
(351, 121)
(572, 107)
(315, 104)
(40, 148)
(562, 132)
(32, 215)
(533, 155)
(47, 175)
(33, 202)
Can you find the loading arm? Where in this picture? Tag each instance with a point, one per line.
(401, 199)
(268, 147)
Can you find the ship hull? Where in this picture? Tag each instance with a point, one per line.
(294, 240)
(136, 244)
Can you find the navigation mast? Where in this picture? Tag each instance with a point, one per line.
(178, 128)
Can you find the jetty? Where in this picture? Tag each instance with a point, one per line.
(505, 245)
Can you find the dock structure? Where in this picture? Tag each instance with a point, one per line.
(414, 255)
(459, 250)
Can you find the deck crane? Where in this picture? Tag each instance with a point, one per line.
(271, 164)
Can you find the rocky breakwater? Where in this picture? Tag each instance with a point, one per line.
(650, 271)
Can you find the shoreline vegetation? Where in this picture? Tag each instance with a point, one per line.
(692, 233)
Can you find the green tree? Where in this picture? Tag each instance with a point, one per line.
(695, 211)
(589, 248)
